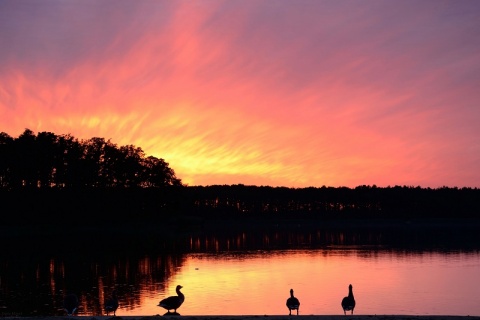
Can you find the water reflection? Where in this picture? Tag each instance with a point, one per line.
(278, 240)
(409, 239)
(38, 288)
(386, 283)
(257, 269)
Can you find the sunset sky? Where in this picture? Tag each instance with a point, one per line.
(260, 92)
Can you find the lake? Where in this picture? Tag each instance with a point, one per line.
(245, 273)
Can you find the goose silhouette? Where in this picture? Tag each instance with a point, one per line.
(292, 303)
(348, 302)
(70, 303)
(111, 303)
(173, 302)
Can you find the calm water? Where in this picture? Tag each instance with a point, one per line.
(383, 282)
(243, 274)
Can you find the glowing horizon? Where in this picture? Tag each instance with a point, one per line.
(335, 93)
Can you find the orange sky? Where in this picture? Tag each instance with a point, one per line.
(280, 93)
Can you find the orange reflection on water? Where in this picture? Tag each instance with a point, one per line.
(259, 283)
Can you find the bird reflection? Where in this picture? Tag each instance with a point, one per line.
(70, 303)
(173, 302)
(111, 303)
(348, 302)
(292, 303)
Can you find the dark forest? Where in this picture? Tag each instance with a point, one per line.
(53, 179)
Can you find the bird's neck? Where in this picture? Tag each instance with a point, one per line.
(180, 294)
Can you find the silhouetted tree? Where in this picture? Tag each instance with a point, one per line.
(45, 154)
(157, 173)
(130, 166)
(24, 165)
(69, 163)
(48, 160)
(6, 159)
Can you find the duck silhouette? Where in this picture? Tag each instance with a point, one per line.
(111, 303)
(348, 302)
(292, 303)
(173, 302)
(70, 303)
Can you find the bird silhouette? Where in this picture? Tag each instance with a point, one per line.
(173, 302)
(70, 303)
(111, 303)
(292, 303)
(348, 302)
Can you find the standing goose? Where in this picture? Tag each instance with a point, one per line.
(173, 302)
(292, 303)
(348, 302)
(70, 303)
(111, 304)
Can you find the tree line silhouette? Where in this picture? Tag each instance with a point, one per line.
(51, 179)
(342, 202)
(49, 160)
